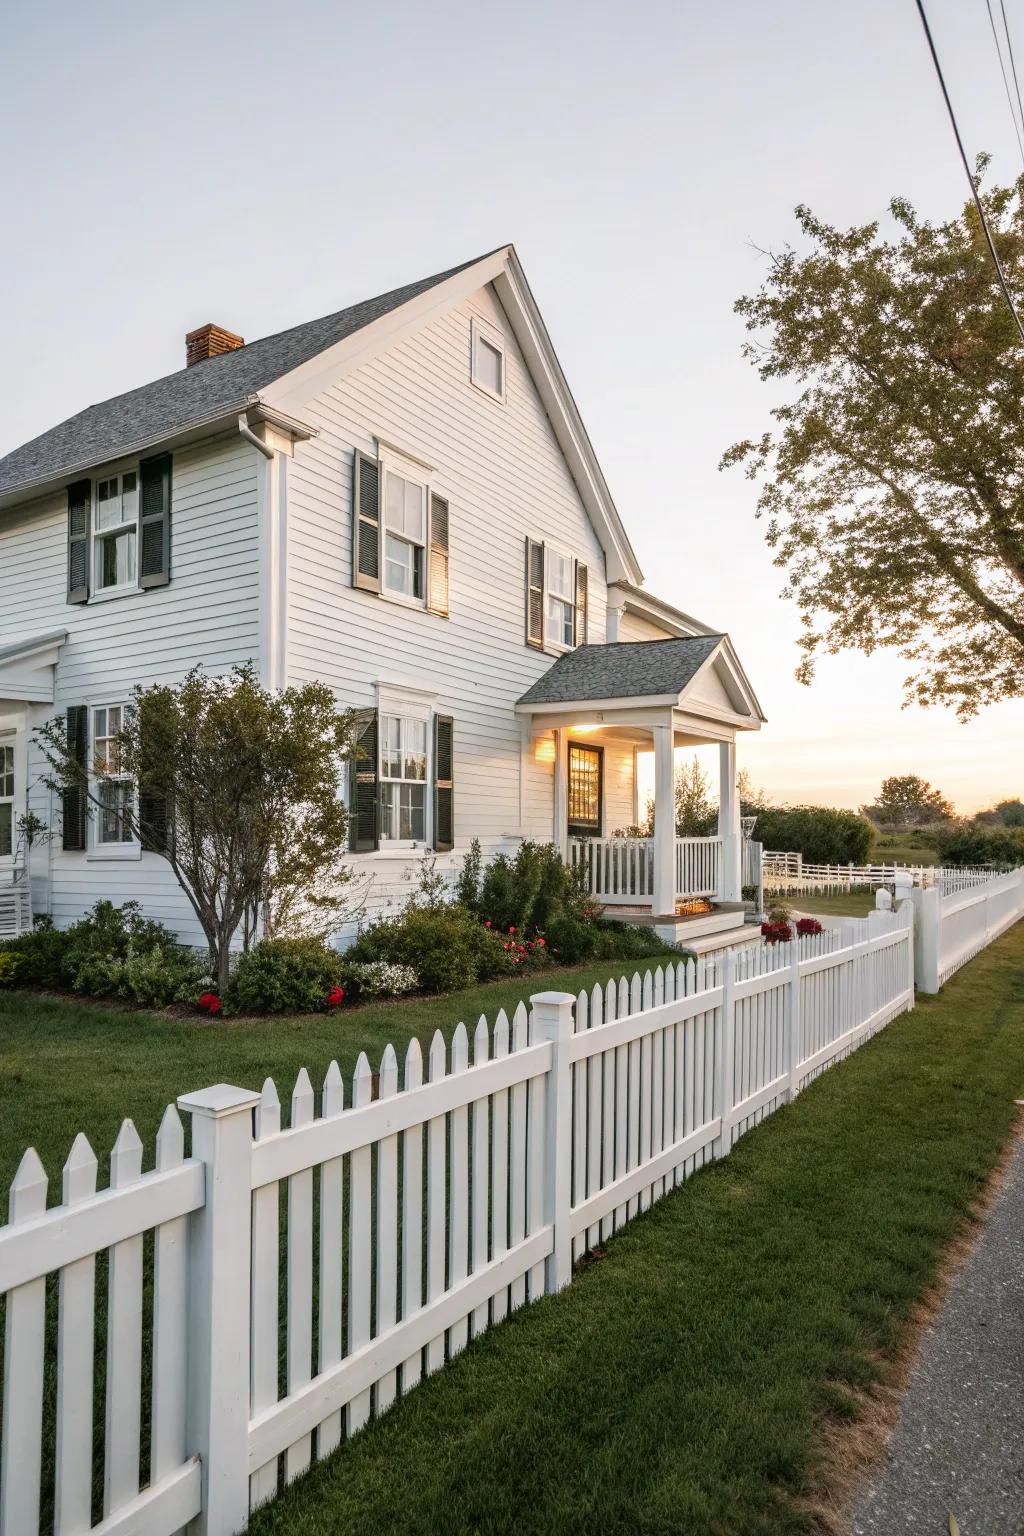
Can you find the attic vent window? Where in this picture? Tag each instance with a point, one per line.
(488, 362)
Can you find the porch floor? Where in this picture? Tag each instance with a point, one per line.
(700, 931)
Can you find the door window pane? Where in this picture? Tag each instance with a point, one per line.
(585, 788)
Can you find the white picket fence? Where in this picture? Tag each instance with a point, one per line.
(959, 917)
(418, 1213)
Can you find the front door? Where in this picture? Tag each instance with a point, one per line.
(586, 789)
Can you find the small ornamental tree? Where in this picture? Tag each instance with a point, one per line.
(236, 787)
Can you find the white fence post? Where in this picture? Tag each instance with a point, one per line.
(927, 931)
(727, 1056)
(793, 1022)
(218, 1332)
(552, 1018)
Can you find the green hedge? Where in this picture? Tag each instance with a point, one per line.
(822, 834)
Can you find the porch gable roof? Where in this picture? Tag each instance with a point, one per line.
(623, 669)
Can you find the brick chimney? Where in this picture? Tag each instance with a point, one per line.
(209, 341)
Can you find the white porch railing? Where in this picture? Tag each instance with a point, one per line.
(620, 870)
(15, 909)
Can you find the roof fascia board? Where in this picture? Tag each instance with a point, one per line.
(535, 343)
(33, 645)
(293, 389)
(578, 708)
(732, 660)
(193, 433)
(646, 606)
(737, 676)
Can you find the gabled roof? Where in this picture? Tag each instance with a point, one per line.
(626, 669)
(215, 388)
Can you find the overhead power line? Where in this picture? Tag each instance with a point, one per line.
(1013, 61)
(967, 170)
(1006, 78)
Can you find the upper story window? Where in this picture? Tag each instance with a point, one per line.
(487, 368)
(405, 532)
(116, 531)
(115, 791)
(557, 598)
(560, 617)
(6, 799)
(403, 779)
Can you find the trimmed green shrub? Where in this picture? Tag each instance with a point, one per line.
(152, 977)
(113, 931)
(822, 834)
(284, 976)
(446, 946)
(573, 940)
(528, 891)
(8, 968)
(41, 955)
(968, 843)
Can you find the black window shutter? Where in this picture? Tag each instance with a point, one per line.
(79, 508)
(363, 834)
(582, 604)
(366, 529)
(437, 589)
(444, 785)
(155, 521)
(73, 798)
(534, 594)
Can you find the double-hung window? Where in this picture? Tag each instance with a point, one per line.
(560, 617)
(115, 531)
(405, 534)
(6, 799)
(114, 789)
(403, 779)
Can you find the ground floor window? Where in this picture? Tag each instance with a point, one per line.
(403, 779)
(115, 792)
(6, 799)
(586, 768)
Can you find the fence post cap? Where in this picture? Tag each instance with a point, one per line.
(221, 1099)
(552, 999)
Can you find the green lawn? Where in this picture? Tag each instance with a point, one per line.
(833, 903)
(681, 1384)
(67, 1066)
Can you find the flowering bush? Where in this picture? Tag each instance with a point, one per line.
(776, 933)
(805, 926)
(381, 978)
(209, 1002)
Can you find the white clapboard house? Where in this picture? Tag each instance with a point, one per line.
(401, 500)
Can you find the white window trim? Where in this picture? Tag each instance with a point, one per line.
(550, 643)
(95, 850)
(481, 332)
(98, 594)
(419, 473)
(409, 844)
(415, 704)
(9, 738)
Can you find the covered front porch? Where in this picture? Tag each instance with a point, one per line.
(682, 693)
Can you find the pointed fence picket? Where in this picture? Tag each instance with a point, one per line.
(417, 1216)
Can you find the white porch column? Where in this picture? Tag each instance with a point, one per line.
(613, 616)
(664, 820)
(730, 883)
(561, 827)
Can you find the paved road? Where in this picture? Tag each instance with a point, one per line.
(959, 1443)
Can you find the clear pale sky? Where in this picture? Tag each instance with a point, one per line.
(258, 165)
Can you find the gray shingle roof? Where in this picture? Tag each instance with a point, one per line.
(624, 670)
(204, 392)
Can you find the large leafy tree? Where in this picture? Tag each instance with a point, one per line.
(237, 788)
(907, 800)
(893, 482)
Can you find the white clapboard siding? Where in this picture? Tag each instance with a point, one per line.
(469, 1188)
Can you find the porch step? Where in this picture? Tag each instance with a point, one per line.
(730, 938)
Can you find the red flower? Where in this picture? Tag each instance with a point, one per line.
(335, 996)
(511, 930)
(209, 1002)
(776, 933)
(506, 946)
(522, 949)
(808, 925)
(539, 941)
(487, 922)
